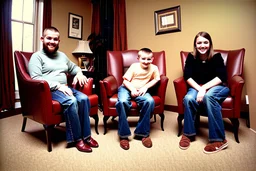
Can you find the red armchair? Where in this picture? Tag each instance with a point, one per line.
(118, 62)
(234, 60)
(36, 100)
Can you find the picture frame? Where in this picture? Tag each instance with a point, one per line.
(75, 26)
(167, 20)
(83, 62)
(86, 63)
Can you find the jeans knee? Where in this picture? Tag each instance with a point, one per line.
(207, 97)
(72, 100)
(122, 102)
(188, 98)
(150, 102)
(84, 98)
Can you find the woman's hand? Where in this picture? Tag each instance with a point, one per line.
(200, 95)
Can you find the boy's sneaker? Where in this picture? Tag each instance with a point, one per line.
(215, 147)
(184, 142)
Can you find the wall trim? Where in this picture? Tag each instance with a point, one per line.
(10, 113)
(171, 108)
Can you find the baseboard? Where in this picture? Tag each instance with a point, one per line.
(11, 112)
(171, 108)
(253, 130)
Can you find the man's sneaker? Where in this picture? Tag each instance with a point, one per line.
(184, 142)
(215, 147)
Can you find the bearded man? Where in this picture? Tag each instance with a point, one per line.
(51, 65)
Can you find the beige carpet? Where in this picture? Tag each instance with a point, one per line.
(27, 151)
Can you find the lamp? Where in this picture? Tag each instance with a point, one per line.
(81, 50)
(82, 47)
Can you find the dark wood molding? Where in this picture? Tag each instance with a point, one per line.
(171, 108)
(10, 113)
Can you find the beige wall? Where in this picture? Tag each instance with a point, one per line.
(60, 15)
(231, 23)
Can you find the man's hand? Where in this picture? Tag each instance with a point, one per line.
(80, 78)
(64, 89)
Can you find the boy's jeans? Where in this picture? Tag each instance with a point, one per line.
(211, 105)
(123, 105)
(76, 110)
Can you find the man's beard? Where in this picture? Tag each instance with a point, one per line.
(46, 49)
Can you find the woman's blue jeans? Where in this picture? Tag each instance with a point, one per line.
(76, 110)
(211, 105)
(123, 106)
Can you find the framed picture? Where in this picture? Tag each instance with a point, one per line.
(86, 63)
(75, 26)
(167, 20)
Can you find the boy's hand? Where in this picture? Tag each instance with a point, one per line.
(134, 93)
(142, 91)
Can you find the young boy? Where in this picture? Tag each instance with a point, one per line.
(137, 80)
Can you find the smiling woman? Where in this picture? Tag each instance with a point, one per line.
(206, 76)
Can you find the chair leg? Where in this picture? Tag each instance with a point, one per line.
(105, 119)
(162, 120)
(154, 117)
(48, 132)
(248, 122)
(235, 123)
(113, 118)
(96, 118)
(179, 119)
(24, 124)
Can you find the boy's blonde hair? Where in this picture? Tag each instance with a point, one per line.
(145, 51)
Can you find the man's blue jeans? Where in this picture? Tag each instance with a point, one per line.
(123, 105)
(211, 105)
(76, 110)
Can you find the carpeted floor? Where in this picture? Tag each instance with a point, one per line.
(26, 151)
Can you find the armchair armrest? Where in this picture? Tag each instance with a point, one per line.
(236, 85)
(161, 89)
(162, 86)
(86, 88)
(36, 99)
(180, 90)
(110, 85)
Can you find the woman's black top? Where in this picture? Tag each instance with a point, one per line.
(204, 71)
